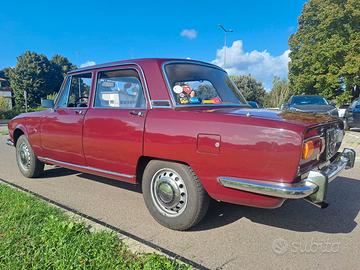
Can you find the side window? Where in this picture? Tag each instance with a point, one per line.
(63, 98)
(119, 89)
(76, 91)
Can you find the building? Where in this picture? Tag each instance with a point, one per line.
(5, 92)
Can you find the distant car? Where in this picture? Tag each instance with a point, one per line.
(310, 104)
(254, 104)
(352, 115)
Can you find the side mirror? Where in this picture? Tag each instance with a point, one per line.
(284, 106)
(47, 103)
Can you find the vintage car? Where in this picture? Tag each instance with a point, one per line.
(182, 130)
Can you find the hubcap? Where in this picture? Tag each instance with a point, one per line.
(24, 156)
(168, 192)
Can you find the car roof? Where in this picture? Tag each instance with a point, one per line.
(140, 61)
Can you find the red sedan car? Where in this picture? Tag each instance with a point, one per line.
(182, 130)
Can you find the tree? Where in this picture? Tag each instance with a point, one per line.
(279, 94)
(325, 51)
(38, 76)
(60, 66)
(252, 89)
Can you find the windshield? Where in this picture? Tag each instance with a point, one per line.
(309, 100)
(194, 84)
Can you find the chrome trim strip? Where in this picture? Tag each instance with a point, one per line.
(66, 164)
(315, 184)
(10, 142)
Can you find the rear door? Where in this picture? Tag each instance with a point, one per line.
(61, 130)
(114, 126)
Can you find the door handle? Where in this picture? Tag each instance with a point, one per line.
(137, 113)
(79, 112)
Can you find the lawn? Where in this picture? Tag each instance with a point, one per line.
(36, 235)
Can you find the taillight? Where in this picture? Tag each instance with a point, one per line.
(313, 148)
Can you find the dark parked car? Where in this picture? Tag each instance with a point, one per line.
(254, 104)
(352, 115)
(182, 130)
(310, 104)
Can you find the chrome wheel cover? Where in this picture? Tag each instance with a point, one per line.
(168, 192)
(24, 156)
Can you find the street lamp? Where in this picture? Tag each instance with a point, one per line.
(225, 34)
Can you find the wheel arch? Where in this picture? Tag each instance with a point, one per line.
(18, 131)
(143, 162)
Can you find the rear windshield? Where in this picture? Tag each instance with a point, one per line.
(194, 84)
(309, 100)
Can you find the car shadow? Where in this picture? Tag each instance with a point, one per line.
(59, 171)
(296, 215)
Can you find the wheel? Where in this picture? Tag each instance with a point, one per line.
(173, 194)
(27, 162)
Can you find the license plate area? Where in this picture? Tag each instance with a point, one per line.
(330, 149)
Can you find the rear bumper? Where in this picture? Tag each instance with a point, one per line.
(314, 187)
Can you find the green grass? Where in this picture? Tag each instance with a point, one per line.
(36, 235)
(4, 132)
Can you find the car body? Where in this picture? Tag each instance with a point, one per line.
(310, 104)
(183, 130)
(352, 114)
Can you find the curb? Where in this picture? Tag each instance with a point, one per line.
(133, 242)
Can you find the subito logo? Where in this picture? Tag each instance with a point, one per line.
(280, 246)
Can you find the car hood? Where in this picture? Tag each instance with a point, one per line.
(298, 118)
(313, 108)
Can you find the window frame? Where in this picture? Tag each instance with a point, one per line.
(144, 88)
(63, 86)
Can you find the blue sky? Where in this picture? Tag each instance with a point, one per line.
(103, 31)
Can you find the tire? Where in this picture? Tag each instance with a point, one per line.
(174, 195)
(26, 160)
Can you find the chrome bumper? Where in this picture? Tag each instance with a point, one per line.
(314, 186)
(10, 142)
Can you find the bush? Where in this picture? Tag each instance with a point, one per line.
(10, 114)
(4, 105)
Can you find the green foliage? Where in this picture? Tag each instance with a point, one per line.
(252, 89)
(38, 76)
(4, 105)
(325, 51)
(279, 93)
(344, 98)
(34, 235)
(51, 96)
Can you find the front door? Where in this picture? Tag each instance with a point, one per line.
(114, 126)
(61, 130)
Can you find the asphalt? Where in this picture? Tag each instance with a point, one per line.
(295, 236)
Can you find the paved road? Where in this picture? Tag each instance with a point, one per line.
(297, 235)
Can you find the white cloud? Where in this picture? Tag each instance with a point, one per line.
(261, 65)
(87, 64)
(189, 33)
